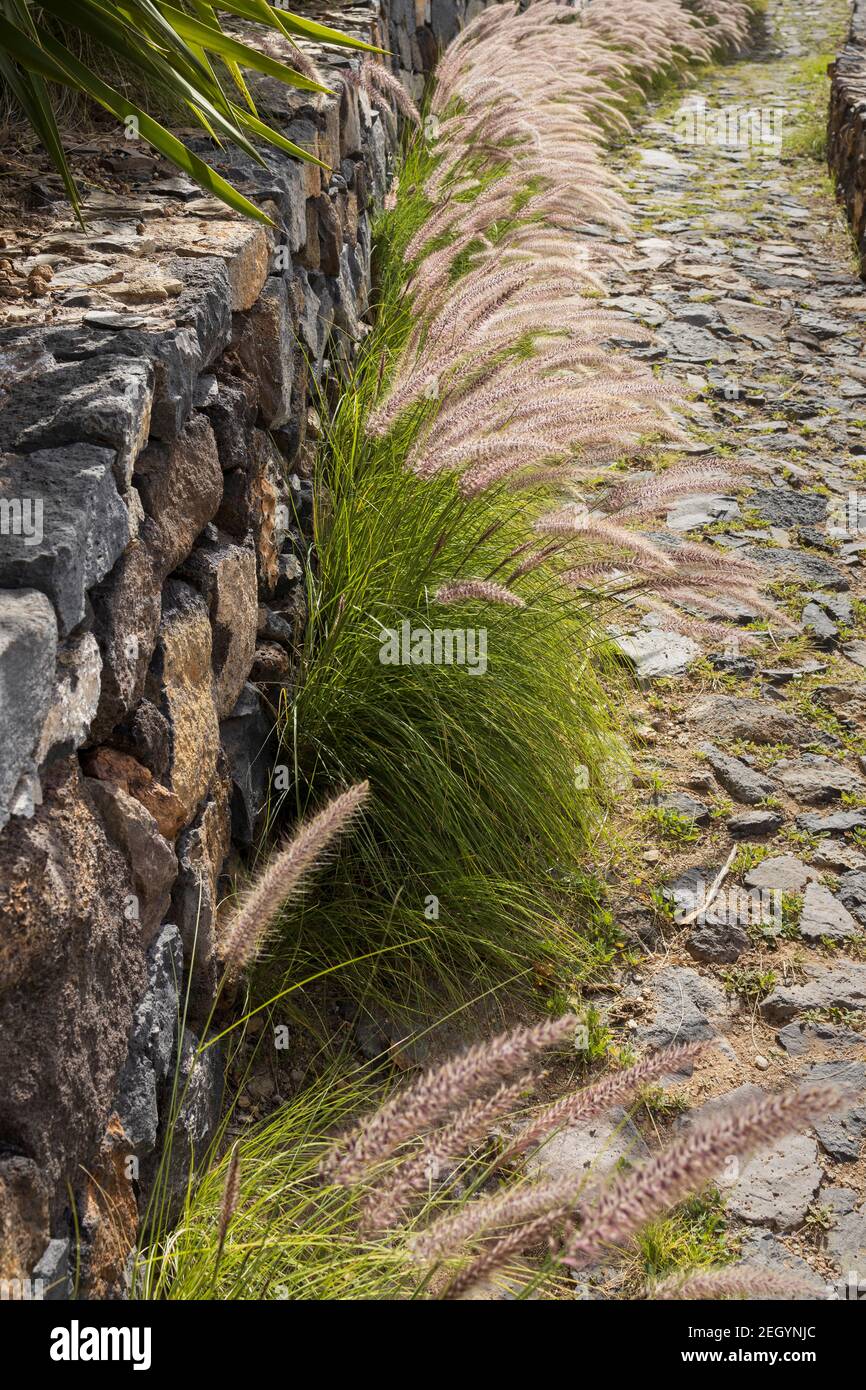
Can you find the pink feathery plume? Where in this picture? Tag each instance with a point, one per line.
(462, 590)
(638, 500)
(579, 523)
(736, 1281)
(611, 1091)
(632, 1199)
(230, 1199)
(283, 876)
(439, 1093)
(303, 63)
(691, 1160)
(396, 1191)
(376, 77)
(515, 1207)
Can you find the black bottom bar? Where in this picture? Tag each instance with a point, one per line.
(664, 1339)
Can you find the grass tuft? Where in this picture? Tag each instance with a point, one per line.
(487, 784)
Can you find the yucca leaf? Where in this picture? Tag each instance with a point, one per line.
(169, 145)
(114, 26)
(94, 19)
(170, 48)
(32, 96)
(274, 137)
(217, 42)
(310, 29)
(200, 52)
(153, 20)
(290, 23)
(57, 64)
(31, 56)
(208, 15)
(294, 24)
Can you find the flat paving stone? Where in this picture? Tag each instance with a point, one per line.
(841, 986)
(824, 917)
(777, 1187)
(592, 1148)
(841, 1135)
(656, 653)
(762, 1249)
(782, 871)
(688, 1008)
(816, 779)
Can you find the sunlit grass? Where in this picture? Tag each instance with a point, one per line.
(486, 787)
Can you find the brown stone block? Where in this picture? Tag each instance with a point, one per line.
(149, 855)
(225, 574)
(309, 254)
(255, 500)
(24, 1217)
(124, 771)
(108, 1216)
(180, 684)
(126, 617)
(181, 487)
(330, 237)
(71, 973)
(202, 850)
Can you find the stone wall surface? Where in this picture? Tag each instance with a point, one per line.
(158, 373)
(847, 130)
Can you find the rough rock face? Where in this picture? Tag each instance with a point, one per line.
(836, 987)
(71, 970)
(28, 648)
(152, 1042)
(847, 137)
(154, 513)
(108, 1212)
(201, 850)
(180, 684)
(24, 1215)
(77, 528)
(225, 574)
(777, 1188)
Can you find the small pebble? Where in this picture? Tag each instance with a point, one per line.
(761, 1063)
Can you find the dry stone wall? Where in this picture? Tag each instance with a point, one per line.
(158, 378)
(847, 133)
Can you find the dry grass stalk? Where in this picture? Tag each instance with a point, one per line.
(230, 1199)
(735, 1281)
(438, 1094)
(283, 876)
